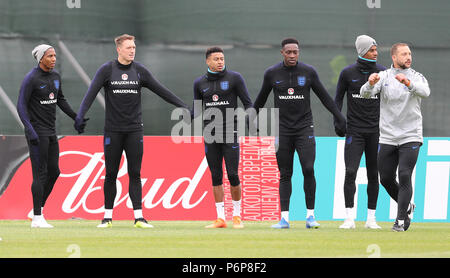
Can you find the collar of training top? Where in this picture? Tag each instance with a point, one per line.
(215, 75)
(365, 65)
(122, 66)
(289, 67)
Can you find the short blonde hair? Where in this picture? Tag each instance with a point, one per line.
(118, 40)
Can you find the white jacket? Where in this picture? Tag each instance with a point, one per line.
(400, 114)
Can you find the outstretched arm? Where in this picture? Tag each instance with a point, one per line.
(95, 87)
(263, 92)
(242, 92)
(97, 83)
(155, 86)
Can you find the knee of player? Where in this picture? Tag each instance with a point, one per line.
(285, 175)
(234, 180)
(386, 179)
(350, 173)
(404, 176)
(111, 176)
(308, 171)
(216, 178)
(134, 174)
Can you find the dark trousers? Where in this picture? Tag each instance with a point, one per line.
(44, 158)
(403, 157)
(216, 153)
(355, 144)
(114, 145)
(305, 145)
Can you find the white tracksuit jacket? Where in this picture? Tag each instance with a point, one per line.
(400, 114)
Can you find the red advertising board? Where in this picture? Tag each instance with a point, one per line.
(176, 182)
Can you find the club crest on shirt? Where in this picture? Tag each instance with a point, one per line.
(124, 76)
(224, 85)
(215, 97)
(51, 96)
(301, 80)
(291, 91)
(56, 82)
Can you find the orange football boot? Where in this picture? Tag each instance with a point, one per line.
(218, 223)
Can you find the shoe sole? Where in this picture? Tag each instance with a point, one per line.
(277, 226)
(215, 227)
(348, 228)
(142, 226)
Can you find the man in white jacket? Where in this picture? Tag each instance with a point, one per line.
(401, 91)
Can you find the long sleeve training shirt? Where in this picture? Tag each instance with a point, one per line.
(39, 94)
(400, 113)
(122, 85)
(363, 114)
(221, 91)
(291, 87)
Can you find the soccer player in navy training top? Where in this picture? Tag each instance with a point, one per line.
(123, 80)
(362, 128)
(217, 91)
(39, 94)
(291, 82)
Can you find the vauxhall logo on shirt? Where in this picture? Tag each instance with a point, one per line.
(124, 82)
(301, 81)
(291, 95)
(51, 97)
(216, 101)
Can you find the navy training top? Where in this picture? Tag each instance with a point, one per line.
(122, 85)
(291, 86)
(221, 90)
(363, 114)
(39, 94)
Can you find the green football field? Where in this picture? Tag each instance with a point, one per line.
(189, 239)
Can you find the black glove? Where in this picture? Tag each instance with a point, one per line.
(33, 137)
(339, 132)
(34, 141)
(340, 127)
(80, 124)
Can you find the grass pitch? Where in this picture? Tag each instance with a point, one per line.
(189, 239)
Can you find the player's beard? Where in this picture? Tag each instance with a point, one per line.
(403, 65)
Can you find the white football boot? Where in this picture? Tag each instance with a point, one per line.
(371, 224)
(39, 222)
(348, 224)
